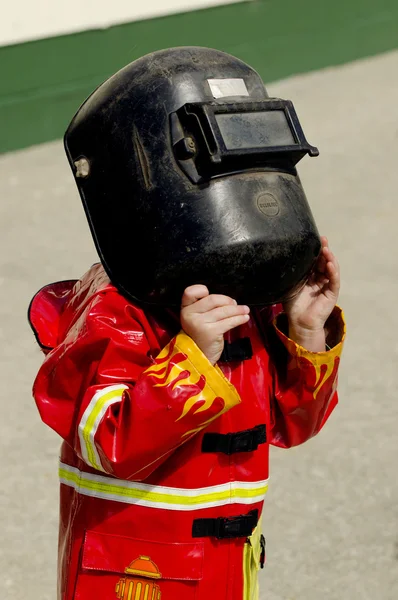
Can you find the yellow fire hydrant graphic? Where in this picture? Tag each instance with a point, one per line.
(136, 585)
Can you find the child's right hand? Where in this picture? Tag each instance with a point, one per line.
(206, 317)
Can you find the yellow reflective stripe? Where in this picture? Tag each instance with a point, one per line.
(88, 429)
(251, 564)
(164, 498)
(91, 419)
(157, 496)
(247, 552)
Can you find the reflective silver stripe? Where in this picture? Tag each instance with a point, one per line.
(155, 496)
(91, 419)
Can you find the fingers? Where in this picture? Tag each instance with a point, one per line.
(333, 274)
(324, 241)
(205, 302)
(207, 317)
(321, 262)
(228, 324)
(330, 257)
(194, 293)
(326, 274)
(208, 310)
(329, 268)
(226, 312)
(325, 256)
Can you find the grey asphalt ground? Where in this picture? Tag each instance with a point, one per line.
(331, 515)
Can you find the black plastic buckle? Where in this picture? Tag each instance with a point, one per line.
(240, 349)
(233, 527)
(230, 443)
(262, 555)
(226, 527)
(249, 440)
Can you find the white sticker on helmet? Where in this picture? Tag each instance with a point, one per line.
(221, 88)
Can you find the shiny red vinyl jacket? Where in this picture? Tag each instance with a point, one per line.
(164, 465)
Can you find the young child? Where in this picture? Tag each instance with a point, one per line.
(164, 464)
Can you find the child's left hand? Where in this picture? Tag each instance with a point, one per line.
(308, 311)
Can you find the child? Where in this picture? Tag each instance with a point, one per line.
(164, 465)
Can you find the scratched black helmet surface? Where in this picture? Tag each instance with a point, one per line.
(187, 173)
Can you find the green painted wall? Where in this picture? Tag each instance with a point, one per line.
(42, 83)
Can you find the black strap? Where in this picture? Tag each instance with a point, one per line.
(231, 527)
(262, 555)
(240, 349)
(229, 443)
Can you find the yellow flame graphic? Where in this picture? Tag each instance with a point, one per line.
(173, 368)
(322, 375)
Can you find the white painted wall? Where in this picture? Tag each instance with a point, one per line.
(23, 20)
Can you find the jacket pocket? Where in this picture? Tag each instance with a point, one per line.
(121, 568)
(253, 558)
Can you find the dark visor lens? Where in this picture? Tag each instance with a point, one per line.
(255, 129)
(211, 139)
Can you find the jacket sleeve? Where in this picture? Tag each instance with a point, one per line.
(304, 383)
(122, 411)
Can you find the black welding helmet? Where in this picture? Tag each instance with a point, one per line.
(187, 172)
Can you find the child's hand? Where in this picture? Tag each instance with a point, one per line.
(206, 317)
(309, 310)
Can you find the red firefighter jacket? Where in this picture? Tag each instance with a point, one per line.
(164, 465)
